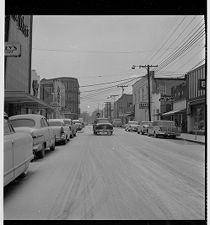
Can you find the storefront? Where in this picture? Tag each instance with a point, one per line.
(17, 102)
(196, 100)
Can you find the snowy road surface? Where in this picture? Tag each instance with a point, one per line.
(123, 176)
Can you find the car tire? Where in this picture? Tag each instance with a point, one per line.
(52, 148)
(24, 174)
(174, 136)
(138, 132)
(41, 153)
(155, 135)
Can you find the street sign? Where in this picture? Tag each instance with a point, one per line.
(143, 105)
(12, 49)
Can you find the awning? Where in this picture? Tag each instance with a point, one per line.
(23, 98)
(178, 111)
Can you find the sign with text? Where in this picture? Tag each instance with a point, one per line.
(143, 105)
(12, 49)
(202, 83)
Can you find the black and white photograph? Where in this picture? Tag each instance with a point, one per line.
(104, 117)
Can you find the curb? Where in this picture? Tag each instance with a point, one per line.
(195, 141)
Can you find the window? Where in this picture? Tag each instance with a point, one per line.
(22, 123)
(6, 127)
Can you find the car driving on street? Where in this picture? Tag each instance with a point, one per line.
(102, 126)
(36, 125)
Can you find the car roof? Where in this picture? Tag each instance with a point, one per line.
(27, 116)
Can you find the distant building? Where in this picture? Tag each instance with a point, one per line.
(67, 88)
(196, 100)
(107, 110)
(123, 108)
(159, 88)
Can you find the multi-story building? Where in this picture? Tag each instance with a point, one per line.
(178, 101)
(159, 88)
(196, 100)
(107, 110)
(68, 90)
(123, 108)
(53, 93)
(18, 97)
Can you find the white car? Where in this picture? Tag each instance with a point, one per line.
(72, 127)
(165, 128)
(18, 152)
(61, 130)
(132, 126)
(38, 127)
(143, 127)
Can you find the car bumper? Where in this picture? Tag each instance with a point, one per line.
(103, 131)
(169, 134)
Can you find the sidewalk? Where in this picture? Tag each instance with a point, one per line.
(192, 137)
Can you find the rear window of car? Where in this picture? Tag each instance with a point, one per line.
(146, 123)
(67, 122)
(55, 123)
(23, 123)
(102, 121)
(163, 123)
(133, 122)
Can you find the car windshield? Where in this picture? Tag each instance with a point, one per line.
(23, 123)
(133, 122)
(102, 121)
(67, 122)
(146, 123)
(163, 123)
(55, 123)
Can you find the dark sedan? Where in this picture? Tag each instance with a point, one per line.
(102, 126)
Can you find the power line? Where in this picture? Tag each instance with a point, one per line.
(181, 49)
(167, 39)
(178, 36)
(105, 83)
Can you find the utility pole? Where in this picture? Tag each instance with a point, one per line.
(122, 86)
(148, 77)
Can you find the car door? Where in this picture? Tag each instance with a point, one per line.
(45, 132)
(50, 132)
(23, 150)
(8, 154)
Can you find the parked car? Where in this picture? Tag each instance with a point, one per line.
(164, 128)
(18, 152)
(72, 127)
(36, 125)
(143, 127)
(61, 130)
(102, 125)
(131, 126)
(117, 123)
(78, 124)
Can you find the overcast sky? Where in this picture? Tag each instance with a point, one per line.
(98, 49)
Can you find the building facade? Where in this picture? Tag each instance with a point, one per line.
(178, 112)
(17, 75)
(159, 88)
(196, 100)
(123, 108)
(63, 93)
